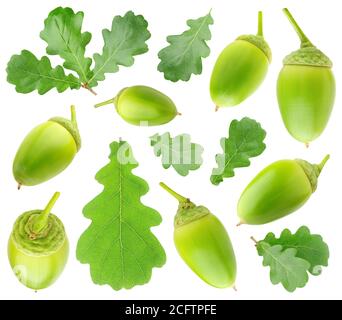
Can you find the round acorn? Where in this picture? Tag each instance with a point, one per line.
(47, 150)
(38, 247)
(141, 106)
(278, 190)
(203, 243)
(305, 89)
(240, 69)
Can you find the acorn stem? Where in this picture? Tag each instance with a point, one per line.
(305, 42)
(260, 25)
(41, 221)
(323, 163)
(73, 114)
(173, 193)
(104, 103)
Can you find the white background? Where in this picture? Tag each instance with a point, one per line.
(20, 24)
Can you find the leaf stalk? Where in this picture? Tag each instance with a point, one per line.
(86, 86)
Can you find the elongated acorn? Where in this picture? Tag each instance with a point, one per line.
(38, 247)
(278, 190)
(143, 106)
(306, 89)
(203, 243)
(47, 150)
(240, 69)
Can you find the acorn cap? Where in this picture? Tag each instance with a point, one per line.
(71, 126)
(39, 232)
(258, 40)
(308, 54)
(312, 171)
(187, 210)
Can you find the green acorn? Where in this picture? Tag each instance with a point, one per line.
(203, 243)
(141, 105)
(38, 247)
(279, 190)
(47, 150)
(240, 69)
(306, 89)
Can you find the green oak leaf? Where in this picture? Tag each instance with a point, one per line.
(245, 141)
(183, 56)
(63, 34)
(119, 245)
(310, 247)
(126, 39)
(64, 37)
(28, 73)
(178, 152)
(285, 267)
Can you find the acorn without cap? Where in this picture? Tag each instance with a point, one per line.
(142, 105)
